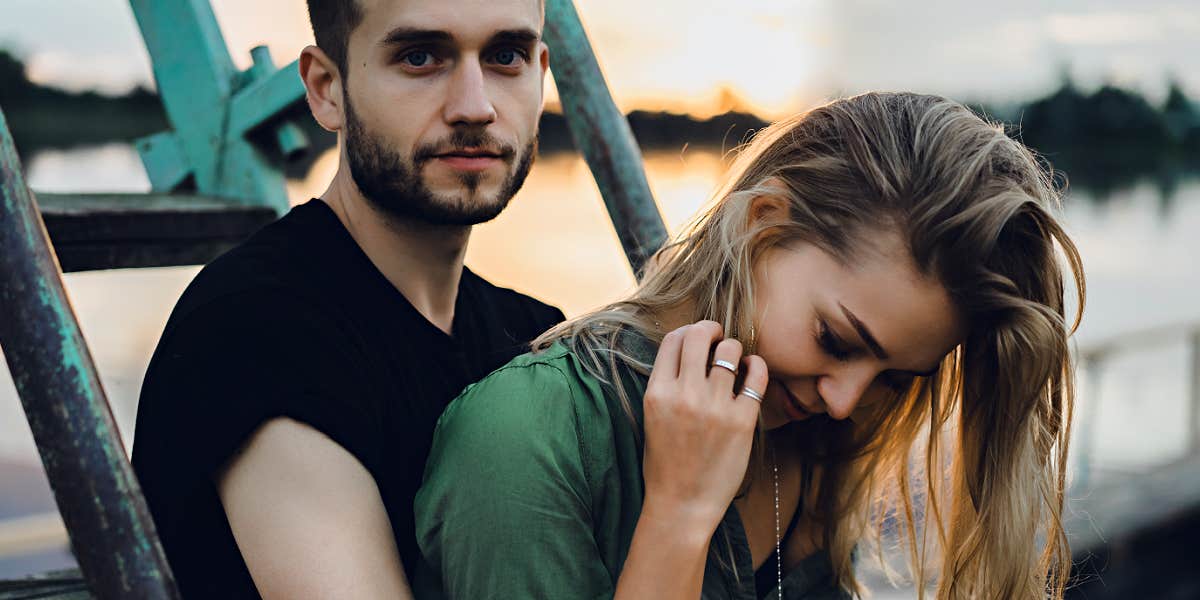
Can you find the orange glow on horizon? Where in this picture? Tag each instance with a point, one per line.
(760, 56)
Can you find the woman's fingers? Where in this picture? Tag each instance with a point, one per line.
(699, 340)
(666, 363)
(724, 367)
(698, 437)
(754, 386)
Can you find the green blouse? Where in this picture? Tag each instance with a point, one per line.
(534, 487)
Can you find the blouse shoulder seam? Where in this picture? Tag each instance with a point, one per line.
(574, 402)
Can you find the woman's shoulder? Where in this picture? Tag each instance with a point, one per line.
(532, 419)
(531, 392)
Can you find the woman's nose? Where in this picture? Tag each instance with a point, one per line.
(842, 392)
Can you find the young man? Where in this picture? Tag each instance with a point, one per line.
(288, 410)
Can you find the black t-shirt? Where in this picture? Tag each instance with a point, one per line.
(297, 322)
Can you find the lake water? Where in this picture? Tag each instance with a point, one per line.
(556, 242)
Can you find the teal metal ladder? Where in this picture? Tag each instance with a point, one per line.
(215, 177)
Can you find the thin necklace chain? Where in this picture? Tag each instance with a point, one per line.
(778, 552)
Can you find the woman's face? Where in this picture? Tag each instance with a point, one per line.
(838, 338)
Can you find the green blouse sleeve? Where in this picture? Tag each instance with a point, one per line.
(504, 511)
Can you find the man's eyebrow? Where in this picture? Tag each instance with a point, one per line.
(412, 35)
(864, 333)
(521, 37)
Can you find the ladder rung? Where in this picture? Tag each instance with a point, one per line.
(116, 231)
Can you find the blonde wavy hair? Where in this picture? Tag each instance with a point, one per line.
(968, 464)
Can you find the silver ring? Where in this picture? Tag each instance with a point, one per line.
(753, 395)
(724, 364)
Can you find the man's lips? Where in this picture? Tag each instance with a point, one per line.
(470, 154)
(469, 159)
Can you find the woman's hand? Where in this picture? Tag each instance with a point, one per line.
(699, 429)
(698, 438)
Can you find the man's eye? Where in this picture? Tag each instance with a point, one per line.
(508, 57)
(417, 58)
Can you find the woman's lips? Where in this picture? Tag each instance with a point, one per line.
(794, 409)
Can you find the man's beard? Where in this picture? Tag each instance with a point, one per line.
(395, 186)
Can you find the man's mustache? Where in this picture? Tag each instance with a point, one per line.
(465, 143)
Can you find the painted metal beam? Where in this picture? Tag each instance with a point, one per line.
(603, 135)
(166, 165)
(274, 92)
(212, 107)
(194, 74)
(270, 93)
(112, 534)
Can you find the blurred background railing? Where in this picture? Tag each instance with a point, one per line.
(1094, 359)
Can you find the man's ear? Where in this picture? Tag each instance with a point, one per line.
(770, 206)
(544, 61)
(324, 85)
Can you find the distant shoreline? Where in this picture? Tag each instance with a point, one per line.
(1103, 140)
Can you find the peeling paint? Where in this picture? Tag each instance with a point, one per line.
(111, 530)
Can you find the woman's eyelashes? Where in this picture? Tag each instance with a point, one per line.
(831, 343)
(842, 351)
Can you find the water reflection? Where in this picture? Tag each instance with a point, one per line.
(556, 242)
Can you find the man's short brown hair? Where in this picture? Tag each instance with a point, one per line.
(332, 21)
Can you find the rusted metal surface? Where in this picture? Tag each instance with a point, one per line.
(101, 503)
(603, 135)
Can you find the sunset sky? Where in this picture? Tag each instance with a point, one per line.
(775, 55)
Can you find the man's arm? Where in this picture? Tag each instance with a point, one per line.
(308, 518)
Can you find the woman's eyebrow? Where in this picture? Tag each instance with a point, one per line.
(864, 333)
(873, 344)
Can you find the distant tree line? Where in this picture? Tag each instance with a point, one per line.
(1112, 136)
(1104, 139)
(41, 116)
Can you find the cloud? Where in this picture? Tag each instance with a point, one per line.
(1105, 28)
(778, 54)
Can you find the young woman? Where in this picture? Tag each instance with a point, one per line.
(865, 334)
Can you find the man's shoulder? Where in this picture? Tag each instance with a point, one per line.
(284, 260)
(508, 300)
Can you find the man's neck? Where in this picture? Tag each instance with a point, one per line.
(424, 262)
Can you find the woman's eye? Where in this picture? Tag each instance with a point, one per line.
(830, 344)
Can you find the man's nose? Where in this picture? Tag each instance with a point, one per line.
(842, 392)
(467, 101)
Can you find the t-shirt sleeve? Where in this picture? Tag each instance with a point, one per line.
(229, 366)
(504, 511)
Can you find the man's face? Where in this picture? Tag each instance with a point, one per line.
(442, 100)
